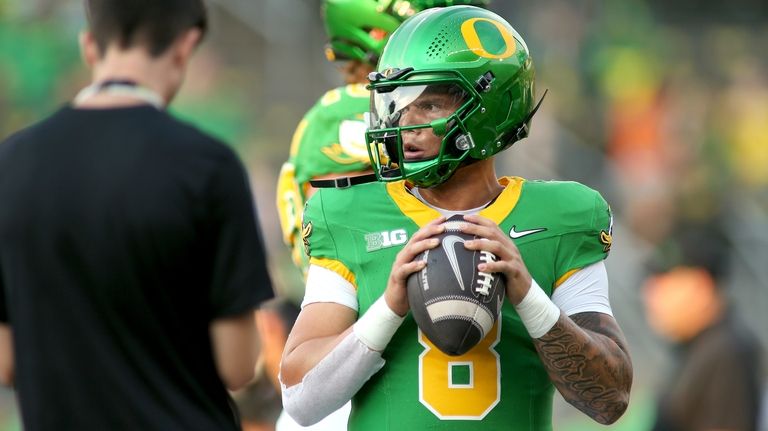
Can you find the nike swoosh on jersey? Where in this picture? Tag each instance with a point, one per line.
(515, 235)
(448, 245)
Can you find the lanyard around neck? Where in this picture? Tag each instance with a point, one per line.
(121, 88)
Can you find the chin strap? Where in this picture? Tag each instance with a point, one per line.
(343, 182)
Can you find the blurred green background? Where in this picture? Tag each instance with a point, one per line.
(660, 105)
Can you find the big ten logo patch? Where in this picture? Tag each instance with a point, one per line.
(378, 240)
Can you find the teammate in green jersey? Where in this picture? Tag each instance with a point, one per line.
(454, 87)
(330, 139)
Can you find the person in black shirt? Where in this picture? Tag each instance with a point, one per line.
(130, 255)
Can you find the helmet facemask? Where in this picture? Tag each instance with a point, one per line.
(417, 129)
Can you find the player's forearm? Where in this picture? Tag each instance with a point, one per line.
(333, 381)
(587, 361)
(298, 361)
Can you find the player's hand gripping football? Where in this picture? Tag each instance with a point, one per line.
(508, 259)
(404, 264)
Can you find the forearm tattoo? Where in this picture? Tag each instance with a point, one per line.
(587, 361)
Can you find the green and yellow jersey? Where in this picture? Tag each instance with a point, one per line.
(330, 139)
(559, 228)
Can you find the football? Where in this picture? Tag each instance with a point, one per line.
(453, 303)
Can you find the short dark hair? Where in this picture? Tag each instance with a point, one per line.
(152, 23)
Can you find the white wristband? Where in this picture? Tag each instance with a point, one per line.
(538, 313)
(377, 326)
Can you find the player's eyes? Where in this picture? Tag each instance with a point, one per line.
(430, 107)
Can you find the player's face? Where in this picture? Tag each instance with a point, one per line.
(418, 107)
(420, 144)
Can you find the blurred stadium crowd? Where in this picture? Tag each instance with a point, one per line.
(659, 105)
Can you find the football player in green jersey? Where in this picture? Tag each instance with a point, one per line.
(329, 141)
(454, 87)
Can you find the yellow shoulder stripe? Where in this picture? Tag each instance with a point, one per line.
(337, 267)
(297, 136)
(358, 90)
(331, 97)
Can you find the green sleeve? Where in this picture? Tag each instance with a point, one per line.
(589, 242)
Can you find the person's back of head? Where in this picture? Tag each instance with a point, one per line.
(141, 43)
(150, 23)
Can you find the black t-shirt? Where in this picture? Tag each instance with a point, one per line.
(123, 234)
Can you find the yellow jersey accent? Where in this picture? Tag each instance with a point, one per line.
(565, 276)
(472, 400)
(358, 90)
(337, 267)
(289, 202)
(410, 205)
(422, 214)
(297, 135)
(331, 97)
(607, 240)
(336, 153)
(507, 200)
(306, 232)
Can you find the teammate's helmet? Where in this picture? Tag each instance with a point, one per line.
(469, 53)
(358, 29)
(407, 8)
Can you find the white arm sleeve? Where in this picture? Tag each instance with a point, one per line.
(332, 382)
(324, 285)
(585, 290)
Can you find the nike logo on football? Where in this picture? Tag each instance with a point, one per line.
(448, 245)
(515, 234)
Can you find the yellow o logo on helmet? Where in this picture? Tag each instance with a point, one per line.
(472, 39)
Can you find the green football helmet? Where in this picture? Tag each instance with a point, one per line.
(461, 74)
(356, 29)
(404, 9)
(359, 29)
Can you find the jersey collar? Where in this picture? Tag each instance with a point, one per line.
(421, 214)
